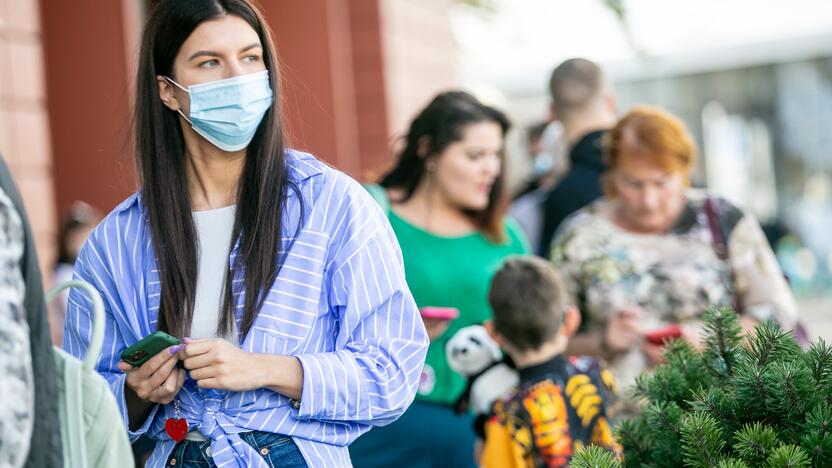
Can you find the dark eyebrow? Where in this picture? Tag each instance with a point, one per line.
(250, 46)
(203, 53)
(208, 53)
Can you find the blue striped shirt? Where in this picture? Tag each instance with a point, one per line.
(340, 305)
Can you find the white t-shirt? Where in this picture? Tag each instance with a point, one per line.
(213, 229)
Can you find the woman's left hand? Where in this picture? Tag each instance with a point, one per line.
(216, 363)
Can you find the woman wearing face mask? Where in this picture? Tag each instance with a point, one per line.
(445, 200)
(279, 273)
(653, 253)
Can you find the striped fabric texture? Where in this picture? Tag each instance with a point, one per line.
(340, 304)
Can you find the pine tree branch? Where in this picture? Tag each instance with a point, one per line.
(702, 440)
(722, 338)
(593, 456)
(789, 456)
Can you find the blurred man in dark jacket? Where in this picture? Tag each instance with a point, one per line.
(582, 100)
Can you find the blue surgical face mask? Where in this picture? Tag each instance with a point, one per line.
(227, 112)
(543, 163)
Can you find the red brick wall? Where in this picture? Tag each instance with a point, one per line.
(370, 85)
(313, 43)
(90, 59)
(355, 73)
(420, 56)
(24, 124)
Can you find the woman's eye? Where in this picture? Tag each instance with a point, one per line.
(251, 58)
(208, 64)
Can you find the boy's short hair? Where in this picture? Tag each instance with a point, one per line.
(528, 300)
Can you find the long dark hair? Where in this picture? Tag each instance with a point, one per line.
(161, 159)
(437, 126)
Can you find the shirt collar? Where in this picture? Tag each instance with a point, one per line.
(557, 365)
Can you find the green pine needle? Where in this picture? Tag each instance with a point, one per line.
(751, 391)
(817, 439)
(593, 456)
(755, 442)
(820, 418)
(723, 336)
(731, 463)
(716, 402)
(772, 344)
(665, 419)
(636, 438)
(681, 356)
(820, 362)
(666, 384)
(791, 391)
(789, 456)
(761, 401)
(702, 440)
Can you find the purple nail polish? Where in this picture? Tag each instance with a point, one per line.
(174, 349)
(186, 340)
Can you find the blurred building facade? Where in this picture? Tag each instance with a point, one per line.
(25, 140)
(353, 73)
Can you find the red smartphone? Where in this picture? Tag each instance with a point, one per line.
(439, 313)
(661, 335)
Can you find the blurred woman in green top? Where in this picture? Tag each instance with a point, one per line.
(446, 202)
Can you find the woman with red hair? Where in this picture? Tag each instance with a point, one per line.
(648, 259)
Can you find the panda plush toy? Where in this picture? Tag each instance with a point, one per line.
(473, 353)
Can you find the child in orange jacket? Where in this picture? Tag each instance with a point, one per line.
(561, 403)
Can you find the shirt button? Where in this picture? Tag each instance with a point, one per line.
(264, 451)
(295, 404)
(172, 461)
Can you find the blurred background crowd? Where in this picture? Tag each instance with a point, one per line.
(751, 82)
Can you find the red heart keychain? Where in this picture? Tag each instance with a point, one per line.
(176, 427)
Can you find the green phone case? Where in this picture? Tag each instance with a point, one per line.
(148, 347)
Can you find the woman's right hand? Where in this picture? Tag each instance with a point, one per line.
(623, 330)
(157, 380)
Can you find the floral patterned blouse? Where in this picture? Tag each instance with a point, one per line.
(674, 277)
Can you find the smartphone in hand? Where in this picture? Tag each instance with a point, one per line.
(439, 313)
(147, 347)
(664, 334)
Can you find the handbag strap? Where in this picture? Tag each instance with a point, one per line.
(97, 336)
(720, 244)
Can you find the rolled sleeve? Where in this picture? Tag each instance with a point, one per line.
(318, 372)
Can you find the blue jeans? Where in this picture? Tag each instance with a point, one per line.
(277, 450)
